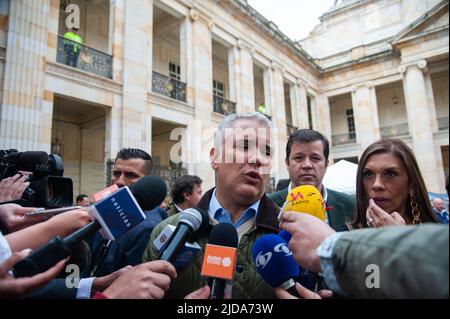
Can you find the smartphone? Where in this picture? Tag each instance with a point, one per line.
(50, 212)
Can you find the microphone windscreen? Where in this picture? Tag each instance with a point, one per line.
(203, 225)
(224, 234)
(274, 261)
(306, 199)
(150, 191)
(33, 158)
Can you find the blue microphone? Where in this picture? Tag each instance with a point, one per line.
(275, 262)
(285, 235)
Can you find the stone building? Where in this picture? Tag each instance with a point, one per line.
(161, 74)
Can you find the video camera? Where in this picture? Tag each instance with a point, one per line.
(47, 186)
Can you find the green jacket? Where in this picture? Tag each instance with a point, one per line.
(412, 261)
(247, 283)
(75, 39)
(341, 207)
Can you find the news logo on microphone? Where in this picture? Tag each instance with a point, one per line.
(305, 199)
(219, 261)
(117, 213)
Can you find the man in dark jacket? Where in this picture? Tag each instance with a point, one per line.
(307, 161)
(241, 159)
(108, 256)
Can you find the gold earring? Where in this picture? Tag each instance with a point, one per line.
(415, 210)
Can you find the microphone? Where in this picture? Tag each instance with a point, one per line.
(192, 223)
(149, 191)
(115, 214)
(275, 262)
(303, 199)
(220, 258)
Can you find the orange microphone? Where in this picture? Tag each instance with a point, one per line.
(219, 259)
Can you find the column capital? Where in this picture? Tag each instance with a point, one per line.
(275, 65)
(211, 24)
(420, 64)
(244, 45)
(301, 82)
(196, 16)
(368, 84)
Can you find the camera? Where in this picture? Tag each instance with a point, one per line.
(47, 186)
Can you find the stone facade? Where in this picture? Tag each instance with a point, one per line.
(370, 69)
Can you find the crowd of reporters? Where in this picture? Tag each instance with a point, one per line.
(332, 254)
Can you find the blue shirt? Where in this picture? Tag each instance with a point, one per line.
(220, 214)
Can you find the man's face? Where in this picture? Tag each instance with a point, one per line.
(307, 164)
(438, 204)
(127, 172)
(84, 202)
(243, 166)
(192, 199)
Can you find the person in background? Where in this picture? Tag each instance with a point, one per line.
(389, 187)
(186, 192)
(306, 160)
(439, 210)
(82, 200)
(72, 46)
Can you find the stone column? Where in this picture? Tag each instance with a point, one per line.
(321, 108)
(117, 16)
(137, 54)
(274, 102)
(26, 111)
(365, 112)
(196, 52)
(299, 104)
(246, 80)
(419, 122)
(234, 77)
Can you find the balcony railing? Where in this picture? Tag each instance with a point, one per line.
(169, 173)
(290, 129)
(442, 123)
(223, 106)
(394, 130)
(164, 85)
(84, 58)
(347, 138)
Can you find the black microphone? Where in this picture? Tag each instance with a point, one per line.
(150, 190)
(223, 234)
(192, 223)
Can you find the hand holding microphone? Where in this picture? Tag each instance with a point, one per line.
(276, 265)
(115, 214)
(308, 233)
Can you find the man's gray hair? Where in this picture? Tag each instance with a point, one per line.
(231, 119)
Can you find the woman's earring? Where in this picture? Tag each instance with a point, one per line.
(415, 210)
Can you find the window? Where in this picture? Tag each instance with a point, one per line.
(350, 124)
(218, 88)
(174, 71)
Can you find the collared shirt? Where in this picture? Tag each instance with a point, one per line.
(177, 207)
(220, 214)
